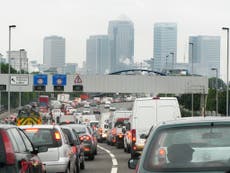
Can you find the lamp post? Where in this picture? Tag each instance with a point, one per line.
(216, 86)
(172, 53)
(191, 57)
(227, 29)
(192, 74)
(20, 71)
(9, 58)
(166, 59)
(0, 74)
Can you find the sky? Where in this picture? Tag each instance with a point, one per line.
(76, 20)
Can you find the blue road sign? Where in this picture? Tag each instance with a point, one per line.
(40, 79)
(59, 80)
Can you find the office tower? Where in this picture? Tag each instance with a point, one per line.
(165, 46)
(54, 51)
(121, 36)
(204, 54)
(18, 60)
(70, 68)
(97, 55)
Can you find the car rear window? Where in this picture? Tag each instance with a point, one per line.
(80, 130)
(43, 137)
(189, 148)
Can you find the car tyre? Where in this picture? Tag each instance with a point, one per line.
(95, 151)
(78, 166)
(91, 157)
(67, 170)
(82, 164)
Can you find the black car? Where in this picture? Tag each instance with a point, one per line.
(17, 154)
(87, 139)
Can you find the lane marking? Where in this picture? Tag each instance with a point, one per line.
(114, 160)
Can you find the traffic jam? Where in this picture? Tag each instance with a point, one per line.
(64, 135)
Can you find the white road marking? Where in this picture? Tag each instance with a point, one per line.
(114, 160)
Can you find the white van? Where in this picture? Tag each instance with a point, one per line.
(148, 112)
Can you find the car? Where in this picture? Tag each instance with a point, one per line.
(17, 153)
(112, 108)
(67, 119)
(86, 138)
(59, 156)
(78, 147)
(186, 145)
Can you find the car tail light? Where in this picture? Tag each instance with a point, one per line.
(133, 132)
(24, 166)
(57, 136)
(129, 135)
(86, 149)
(162, 156)
(120, 135)
(134, 148)
(10, 156)
(86, 138)
(74, 149)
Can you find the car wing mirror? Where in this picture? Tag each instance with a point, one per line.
(123, 129)
(143, 136)
(132, 163)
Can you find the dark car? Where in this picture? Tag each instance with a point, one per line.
(187, 145)
(78, 147)
(86, 138)
(17, 154)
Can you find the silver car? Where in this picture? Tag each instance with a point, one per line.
(60, 156)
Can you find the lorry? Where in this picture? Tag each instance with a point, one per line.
(43, 101)
(28, 115)
(148, 112)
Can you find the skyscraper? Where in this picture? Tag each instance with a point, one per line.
(165, 45)
(19, 60)
(121, 36)
(204, 54)
(54, 51)
(97, 55)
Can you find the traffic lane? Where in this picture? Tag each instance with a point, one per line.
(121, 156)
(101, 164)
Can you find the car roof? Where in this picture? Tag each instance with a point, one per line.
(195, 120)
(41, 126)
(6, 126)
(75, 125)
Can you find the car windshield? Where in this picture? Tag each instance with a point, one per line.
(190, 148)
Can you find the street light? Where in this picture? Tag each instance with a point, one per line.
(192, 74)
(10, 27)
(216, 86)
(20, 71)
(227, 29)
(172, 53)
(192, 57)
(166, 59)
(0, 74)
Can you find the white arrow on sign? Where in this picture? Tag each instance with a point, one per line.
(19, 80)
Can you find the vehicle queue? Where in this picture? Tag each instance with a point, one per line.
(152, 131)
